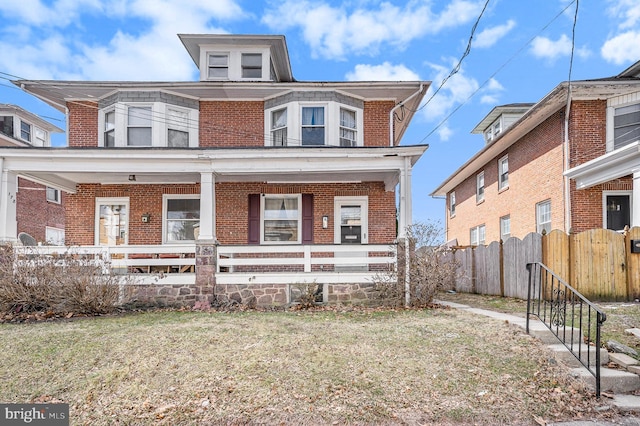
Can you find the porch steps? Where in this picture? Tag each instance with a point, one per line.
(587, 353)
(611, 380)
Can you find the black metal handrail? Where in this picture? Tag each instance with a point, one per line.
(563, 310)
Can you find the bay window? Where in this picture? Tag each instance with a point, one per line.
(279, 127)
(177, 128)
(25, 131)
(313, 126)
(139, 126)
(181, 218)
(626, 125)
(347, 127)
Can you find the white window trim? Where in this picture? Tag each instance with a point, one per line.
(111, 200)
(612, 104)
(452, 204)
(477, 232)
(503, 219)
(235, 62)
(539, 224)
(159, 126)
(480, 197)
(165, 198)
(58, 199)
(56, 230)
(205, 70)
(502, 185)
(262, 227)
(604, 204)
(363, 202)
(331, 123)
(29, 141)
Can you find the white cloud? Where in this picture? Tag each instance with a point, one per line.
(333, 32)
(492, 92)
(628, 11)
(622, 48)
(383, 72)
(543, 47)
(490, 36)
(36, 12)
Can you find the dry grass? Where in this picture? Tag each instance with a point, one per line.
(319, 367)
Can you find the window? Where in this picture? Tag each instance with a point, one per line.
(480, 187)
(503, 173)
(109, 129)
(477, 236)
(626, 125)
(40, 137)
(25, 131)
(54, 236)
(218, 64)
(543, 217)
(279, 127)
(181, 218)
(281, 218)
(312, 125)
(6, 125)
(177, 128)
(493, 130)
(347, 127)
(505, 227)
(452, 204)
(139, 126)
(53, 195)
(251, 65)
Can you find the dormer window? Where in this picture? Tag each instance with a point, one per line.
(252, 65)
(218, 66)
(493, 131)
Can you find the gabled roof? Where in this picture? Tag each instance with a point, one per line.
(551, 103)
(516, 108)
(277, 44)
(10, 109)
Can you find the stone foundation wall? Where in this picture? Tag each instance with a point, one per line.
(166, 294)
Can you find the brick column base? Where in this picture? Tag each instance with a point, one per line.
(206, 258)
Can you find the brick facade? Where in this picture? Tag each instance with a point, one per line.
(83, 124)
(231, 124)
(34, 213)
(376, 122)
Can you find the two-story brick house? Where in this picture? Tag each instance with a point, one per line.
(268, 180)
(568, 162)
(39, 208)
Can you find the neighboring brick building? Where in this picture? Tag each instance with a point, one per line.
(539, 171)
(39, 208)
(247, 156)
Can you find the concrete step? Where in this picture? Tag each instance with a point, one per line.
(627, 403)
(539, 330)
(634, 332)
(616, 381)
(586, 353)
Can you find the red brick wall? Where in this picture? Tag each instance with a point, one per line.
(231, 124)
(34, 212)
(231, 209)
(83, 124)
(376, 122)
(535, 174)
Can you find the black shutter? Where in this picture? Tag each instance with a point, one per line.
(254, 219)
(307, 218)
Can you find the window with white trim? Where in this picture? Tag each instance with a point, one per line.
(139, 126)
(348, 127)
(477, 235)
(40, 137)
(54, 236)
(110, 128)
(279, 127)
(281, 216)
(53, 195)
(503, 173)
(313, 125)
(480, 187)
(177, 128)
(251, 64)
(452, 204)
(25, 131)
(218, 66)
(505, 227)
(6, 125)
(626, 125)
(180, 217)
(543, 216)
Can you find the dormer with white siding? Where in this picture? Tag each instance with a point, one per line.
(499, 119)
(19, 127)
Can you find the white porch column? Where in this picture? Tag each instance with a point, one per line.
(8, 220)
(404, 209)
(207, 207)
(635, 208)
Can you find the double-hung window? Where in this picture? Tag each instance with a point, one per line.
(503, 173)
(505, 227)
(6, 125)
(177, 128)
(477, 235)
(218, 66)
(139, 126)
(282, 218)
(543, 217)
(279, 127)
(452, 204)
(251, 65)
(39, 137)
(110, 129)
(313, 125)
(347, 127)
(480, 187)
(25, 131)
(181, 218)
(54, 236)
(626, 125)
(53, 195)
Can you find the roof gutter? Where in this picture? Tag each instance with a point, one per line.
(393, 112)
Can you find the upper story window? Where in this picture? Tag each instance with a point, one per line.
(25, 131)
(503, 173)
(6, 125)
(494, 130)
(218, 66)
(53, 195)
(314, 124)
(154, 124)
(480, 187)
(251, 65)
(505, 227)
(626, 125)
(543, 217)
(452, 204)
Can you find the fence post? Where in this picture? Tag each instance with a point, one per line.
(501, 268)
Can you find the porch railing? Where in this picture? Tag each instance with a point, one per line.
(573, 319)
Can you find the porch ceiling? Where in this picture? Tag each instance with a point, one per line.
(613, 165)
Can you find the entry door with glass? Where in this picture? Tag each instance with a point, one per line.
(351, 228)
(617, 211)
(112, 221)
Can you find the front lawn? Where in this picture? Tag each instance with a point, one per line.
(327, 367)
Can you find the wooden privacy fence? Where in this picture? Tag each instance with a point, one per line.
(598, 263)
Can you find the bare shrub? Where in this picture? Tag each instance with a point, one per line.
(430, 269)
(62, 283)
(306, 295)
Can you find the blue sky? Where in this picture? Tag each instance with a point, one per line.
(520, 51)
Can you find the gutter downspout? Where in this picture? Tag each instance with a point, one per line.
(393, 111)
(567, 181)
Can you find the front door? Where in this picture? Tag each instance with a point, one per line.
(351, 228)
(617, 211)
(112, 221)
